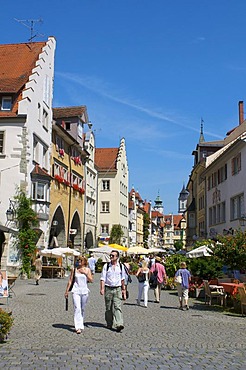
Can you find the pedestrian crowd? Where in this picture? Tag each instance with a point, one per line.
(115, 277)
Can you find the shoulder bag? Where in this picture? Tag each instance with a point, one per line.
(73, 280)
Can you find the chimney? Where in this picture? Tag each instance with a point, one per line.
(241, 112)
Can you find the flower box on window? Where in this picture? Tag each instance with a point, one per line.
(59, 179)
(61, 152)
(82, 190)
(66, 182)
(76, 160)
(76, 187)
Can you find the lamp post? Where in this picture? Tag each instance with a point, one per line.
(11, 211)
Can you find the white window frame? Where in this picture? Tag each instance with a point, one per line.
(36, 187)
(105, 185)
(104, 229)
(105, 207)
(6, 100)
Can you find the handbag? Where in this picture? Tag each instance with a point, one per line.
(153, 280)
(71, 286)
(178, 279)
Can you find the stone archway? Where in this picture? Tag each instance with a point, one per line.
(75, 232)
(57, 230)
(89, 243)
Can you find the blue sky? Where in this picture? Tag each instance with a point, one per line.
(147, 70)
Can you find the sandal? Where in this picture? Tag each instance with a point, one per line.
(78, 331)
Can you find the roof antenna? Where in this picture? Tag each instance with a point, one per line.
(29, 23)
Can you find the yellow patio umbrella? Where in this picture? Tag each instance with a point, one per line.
(118, 247)
(138, 250)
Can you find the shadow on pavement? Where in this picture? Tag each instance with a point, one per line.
(95, 325)
(64, 326)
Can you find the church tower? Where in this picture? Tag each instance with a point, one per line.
(158, 204)
(182, 201)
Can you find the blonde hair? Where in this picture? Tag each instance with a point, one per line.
(144, 265)
(83, 260)
(183, 265)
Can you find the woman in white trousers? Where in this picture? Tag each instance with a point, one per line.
(143, 283)
(81, 276)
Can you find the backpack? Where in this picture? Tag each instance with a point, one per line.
(126, 271)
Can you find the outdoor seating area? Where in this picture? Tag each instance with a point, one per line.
(214, 291)
(53, 272)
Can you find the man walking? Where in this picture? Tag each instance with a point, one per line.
(161, 277)
(112, 286)
(92, 263)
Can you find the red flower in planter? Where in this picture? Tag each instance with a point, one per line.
(61, 152)
(76, 186)
(59, 178)
(82, 190)
(66, 182)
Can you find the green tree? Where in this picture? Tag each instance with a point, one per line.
(178, 245)
(116, 234)
(146, 222)
(27, 237)
(231, 250)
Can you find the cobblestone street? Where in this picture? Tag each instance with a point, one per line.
(159, 337)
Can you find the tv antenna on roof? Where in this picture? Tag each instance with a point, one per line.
(29, 23)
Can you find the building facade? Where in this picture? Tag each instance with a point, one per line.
(26, 94)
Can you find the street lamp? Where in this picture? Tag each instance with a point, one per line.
(11, 211)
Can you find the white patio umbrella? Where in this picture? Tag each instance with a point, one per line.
(137, 250)
(203, 251)
(67, 251)
(51, 253)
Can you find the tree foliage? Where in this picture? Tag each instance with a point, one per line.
(231, 250)
(146, 222)
(116, 234)
(27, 236)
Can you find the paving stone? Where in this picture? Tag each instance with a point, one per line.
(160, 337)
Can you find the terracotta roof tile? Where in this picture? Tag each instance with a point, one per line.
(16, 64)
(105, 158)
(37, 170)
(66, 112)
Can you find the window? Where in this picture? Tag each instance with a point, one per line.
(105, 185)
(104, 229)
(1, 142)
(59, 143)
(6, 103)
(45, 120)
(105, 207)
(236, 164)
(237, 207)
(68, 126)
(39, 191)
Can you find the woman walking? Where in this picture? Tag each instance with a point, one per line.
(80, 276)
(143, 283)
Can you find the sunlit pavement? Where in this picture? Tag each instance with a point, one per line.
(159, 337)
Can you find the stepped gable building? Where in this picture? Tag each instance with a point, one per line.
(112, 167)
(26, 93)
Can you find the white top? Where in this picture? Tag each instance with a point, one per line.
(80, 284)
(113, 276)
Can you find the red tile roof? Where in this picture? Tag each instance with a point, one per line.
(37, 170)
(105, 158)
(66, 112)
(16, 64)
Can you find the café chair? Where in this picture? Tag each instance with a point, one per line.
(242, 293)
(218, 293)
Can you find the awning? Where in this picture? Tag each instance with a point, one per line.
(6, 229)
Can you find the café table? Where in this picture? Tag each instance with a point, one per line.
(231, 288)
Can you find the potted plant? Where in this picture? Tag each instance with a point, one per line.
(6, 321)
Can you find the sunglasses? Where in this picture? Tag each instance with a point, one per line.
(113, 255)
